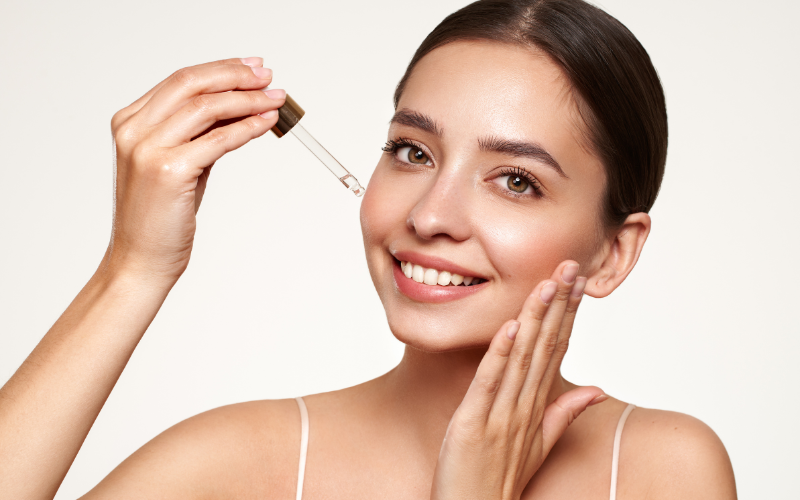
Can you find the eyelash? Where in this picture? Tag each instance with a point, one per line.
(521, 172)
(392, 145)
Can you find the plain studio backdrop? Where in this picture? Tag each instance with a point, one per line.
(277, 301)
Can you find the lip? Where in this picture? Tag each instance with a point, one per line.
(421, 292)
(438, 263)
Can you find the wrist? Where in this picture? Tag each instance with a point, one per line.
(133, 278)
(133, 273)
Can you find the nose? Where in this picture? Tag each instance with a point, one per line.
(442, 210)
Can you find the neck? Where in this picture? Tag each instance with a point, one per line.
(425, 389)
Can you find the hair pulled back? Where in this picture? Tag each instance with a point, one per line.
(615, 85)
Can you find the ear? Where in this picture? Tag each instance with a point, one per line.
(622, 252)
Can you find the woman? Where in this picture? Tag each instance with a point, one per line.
(528, 144)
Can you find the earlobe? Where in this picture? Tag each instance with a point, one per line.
(622, 252)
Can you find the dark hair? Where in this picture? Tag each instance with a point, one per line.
(614, 82)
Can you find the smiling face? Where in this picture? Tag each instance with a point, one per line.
(486, 175)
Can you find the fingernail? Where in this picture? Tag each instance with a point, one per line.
(263, 73)
(598, 399)
(548, 292)
(578, 287)
(569, 273)
(276, 94)
(512, 330)
(252, 61)
(269, 115)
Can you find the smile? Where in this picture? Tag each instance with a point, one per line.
(424, 283)
(432, 277)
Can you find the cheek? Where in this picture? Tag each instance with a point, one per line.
(527, 251)
(523, 255)
(383, 215)
(379, 213)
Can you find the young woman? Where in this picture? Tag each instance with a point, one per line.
(528, 145)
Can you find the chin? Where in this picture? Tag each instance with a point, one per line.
(440, 333)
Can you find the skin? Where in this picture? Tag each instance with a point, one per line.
(483, 369)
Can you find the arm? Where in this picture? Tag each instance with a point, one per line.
(245, 450)
(51, 402)
(167, 142)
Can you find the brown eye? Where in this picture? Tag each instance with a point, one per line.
(415, 155)
(517, 184)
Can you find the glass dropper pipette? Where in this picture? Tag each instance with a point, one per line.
(288, 117)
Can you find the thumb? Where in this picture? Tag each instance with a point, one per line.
(200, 190)
(564, 410)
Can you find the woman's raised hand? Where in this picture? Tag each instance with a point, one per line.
(166, 143)
(505, 427)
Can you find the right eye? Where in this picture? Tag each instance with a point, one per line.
(413, 155)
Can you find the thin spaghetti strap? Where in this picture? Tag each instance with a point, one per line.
(301, 472)
(615, 456)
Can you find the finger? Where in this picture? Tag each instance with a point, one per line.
(131, 109)
(210, 147)
(575, 297)
(564, 410)
(185, 84)
(519, 362)
(481, 393)
(207, 109)
(547, 341)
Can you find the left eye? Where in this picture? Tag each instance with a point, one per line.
(515, 183)
(411, 154)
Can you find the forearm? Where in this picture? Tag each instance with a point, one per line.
(163, 155)
(51, 402)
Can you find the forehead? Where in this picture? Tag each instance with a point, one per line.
(479, 88)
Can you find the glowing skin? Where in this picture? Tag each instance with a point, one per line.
(449, 206)
(459, 206)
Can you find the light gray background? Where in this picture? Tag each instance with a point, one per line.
(277, 301)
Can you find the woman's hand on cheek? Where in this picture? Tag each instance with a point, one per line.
(166, 143)
(505, 428)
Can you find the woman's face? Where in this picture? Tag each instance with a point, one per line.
(486, 175)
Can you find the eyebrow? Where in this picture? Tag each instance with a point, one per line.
(520, 149)
(490, 144)
(417, 120)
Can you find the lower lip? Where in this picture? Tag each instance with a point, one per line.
(432, 293)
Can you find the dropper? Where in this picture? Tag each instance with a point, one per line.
(288, 117)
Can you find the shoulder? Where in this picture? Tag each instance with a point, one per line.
(242, 450)
(670, 455)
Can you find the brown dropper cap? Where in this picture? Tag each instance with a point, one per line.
(288, 116)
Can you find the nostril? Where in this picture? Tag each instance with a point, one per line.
(430, 222)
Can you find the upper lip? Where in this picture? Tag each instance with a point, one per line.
(432, 262)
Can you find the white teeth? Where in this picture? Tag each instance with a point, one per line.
(417, 273)
(431, 276)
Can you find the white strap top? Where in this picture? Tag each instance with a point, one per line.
(615, 454)
(301, 473)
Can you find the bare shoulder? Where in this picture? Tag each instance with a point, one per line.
(670, 455)
(245, 450)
